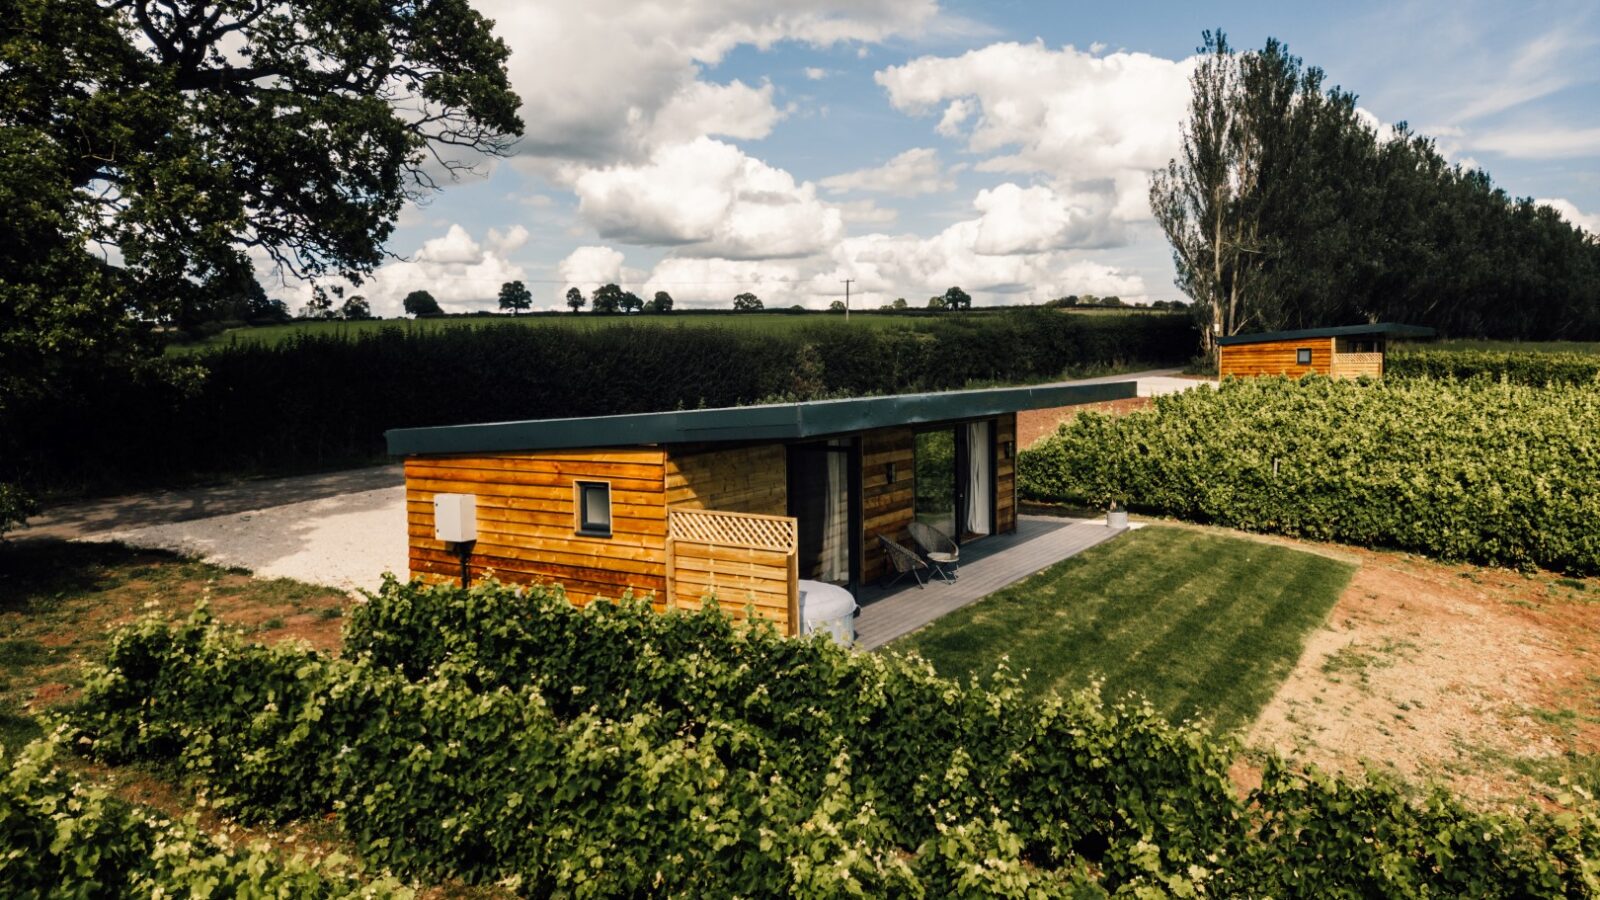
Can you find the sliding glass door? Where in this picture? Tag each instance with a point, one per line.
(934, 495)
(954, 488)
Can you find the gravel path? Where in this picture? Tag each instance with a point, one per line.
(346, 542)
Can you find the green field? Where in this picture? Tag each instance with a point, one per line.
(771, 322)
(1196, 623)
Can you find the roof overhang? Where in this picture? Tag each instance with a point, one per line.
(773, 422)
(1387, 329)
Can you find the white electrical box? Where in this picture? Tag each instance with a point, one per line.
(455, 517)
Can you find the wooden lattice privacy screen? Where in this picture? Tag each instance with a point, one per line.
(742, 559)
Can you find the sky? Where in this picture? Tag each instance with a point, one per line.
(712, 147)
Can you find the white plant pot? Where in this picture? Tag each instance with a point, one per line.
(1116, 518)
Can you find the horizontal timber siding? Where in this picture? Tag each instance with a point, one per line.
(526, 524)
(750, 479)
(1275, 358)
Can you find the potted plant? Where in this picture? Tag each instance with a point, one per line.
(1117, 512)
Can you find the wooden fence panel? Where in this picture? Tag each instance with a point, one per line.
(744, 560)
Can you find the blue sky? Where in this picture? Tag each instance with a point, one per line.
(712, 146)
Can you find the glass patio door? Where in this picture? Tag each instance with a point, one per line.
(934, 489)
(955, 486)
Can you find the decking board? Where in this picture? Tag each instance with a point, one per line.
(987, 566)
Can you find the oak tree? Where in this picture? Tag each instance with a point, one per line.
(149, 148)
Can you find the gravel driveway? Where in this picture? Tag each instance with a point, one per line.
(341, 529)
(346, 542)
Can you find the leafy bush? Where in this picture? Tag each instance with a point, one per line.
(501, 735)
(60, 837)
(1483, 471)
(1516, 366)
(321, 401)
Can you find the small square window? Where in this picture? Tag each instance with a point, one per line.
(593, 501)
(1303, 356)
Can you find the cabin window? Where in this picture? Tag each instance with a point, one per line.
(1303, 356)
(593, 500)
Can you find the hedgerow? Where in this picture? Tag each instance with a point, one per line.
(1484, 471)
(1516, 366)
(501, 735)
(321, 401)
(63, 837)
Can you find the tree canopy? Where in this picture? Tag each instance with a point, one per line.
(421, 303)
(956, 298)
(746, 302)
(1287, 209)
(661, 303)
(575, 299)
(514, 295)
(152, 149)
(607, 299)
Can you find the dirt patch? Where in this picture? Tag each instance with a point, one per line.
(1483, 679)
(1034, 425)
(67, 598)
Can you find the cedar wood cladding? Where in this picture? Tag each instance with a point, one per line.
(526, 519)
(1275, 357)
(526, 514)
(1331, 356)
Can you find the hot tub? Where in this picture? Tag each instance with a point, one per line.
(828, 608)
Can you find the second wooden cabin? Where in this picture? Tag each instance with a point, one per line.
(1348, 351)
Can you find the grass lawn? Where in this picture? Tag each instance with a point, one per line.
(1197, 623)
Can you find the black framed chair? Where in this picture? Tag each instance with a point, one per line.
(902, 561)
(942, 553)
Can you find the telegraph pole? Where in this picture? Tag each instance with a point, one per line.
(847, 298)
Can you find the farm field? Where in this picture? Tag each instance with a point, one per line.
(771, 322)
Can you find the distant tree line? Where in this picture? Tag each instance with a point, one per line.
(1286, 208)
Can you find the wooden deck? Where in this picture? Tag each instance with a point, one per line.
(987, 566)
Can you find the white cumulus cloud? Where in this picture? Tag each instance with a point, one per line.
(708, 199)
(586, 268)
(606, 80)
(1094, 125)
(459, 271)
(1036, 219)
(916, 171)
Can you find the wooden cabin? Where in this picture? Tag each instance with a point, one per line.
(1345, 352)
(737, 503)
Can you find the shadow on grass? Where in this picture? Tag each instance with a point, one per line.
(41, 572)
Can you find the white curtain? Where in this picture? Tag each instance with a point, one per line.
(834, 559)
(980, 465)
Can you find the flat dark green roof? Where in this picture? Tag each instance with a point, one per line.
(1387, 329)
(774, 422)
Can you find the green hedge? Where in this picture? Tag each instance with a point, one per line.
(500, 735)
(1483, 471)
(61, 837)
(1516, 366)
(322, 401)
